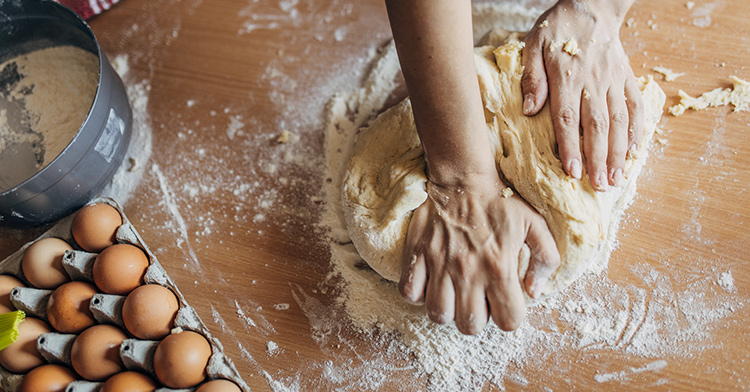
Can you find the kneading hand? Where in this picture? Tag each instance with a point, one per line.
(574, 54)
(461, 255)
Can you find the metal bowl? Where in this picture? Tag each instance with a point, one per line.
(91, 158)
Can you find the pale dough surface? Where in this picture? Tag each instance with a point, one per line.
(385, 178)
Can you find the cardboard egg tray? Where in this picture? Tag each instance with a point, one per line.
(136, 354)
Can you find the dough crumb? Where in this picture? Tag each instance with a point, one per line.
(283, 137)
(689, 5)
(286, 137)
(586, 94)
(506, 193)
(738, 96)
(554, 45)
(283, 306)
(571, 47)
(630, 22)
(544, 23)
(669, 75)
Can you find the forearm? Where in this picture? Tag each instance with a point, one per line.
(435, 45)
(616, 9)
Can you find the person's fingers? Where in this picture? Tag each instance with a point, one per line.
(440, 299)
(414, 269)
(595, 123)
(544, 259)
(507, 305)
(471, 309)
(636, 115)
(564, 107)
(504, 294)
(413, 279)
(534, 79)
(618, 136)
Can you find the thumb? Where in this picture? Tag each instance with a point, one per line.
(544, 259)
(534, 79)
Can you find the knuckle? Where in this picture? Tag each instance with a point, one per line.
(619, 119)
(529, 79)
(499, 272)
(568, 117)
(598, 124)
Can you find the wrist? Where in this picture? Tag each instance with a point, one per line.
(463, 176)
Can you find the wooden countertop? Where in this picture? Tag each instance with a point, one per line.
(232, 214)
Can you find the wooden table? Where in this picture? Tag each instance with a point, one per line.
(232, 214)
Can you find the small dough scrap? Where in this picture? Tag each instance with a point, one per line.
(571, 47)
(385, 178)
(669, 75)
(738, 95)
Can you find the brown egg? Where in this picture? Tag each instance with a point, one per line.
(22, 355)
(149, 311)
(95, 354)
(120, 268)
(68, 307)
(180, 359)
(47, 378)
(42, 263)
(219, 386)
(95, 225)
(129, 382)
(7, 284)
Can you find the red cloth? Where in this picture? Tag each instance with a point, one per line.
(88, 8)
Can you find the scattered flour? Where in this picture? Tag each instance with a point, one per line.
(726, 282)
(129, 175)
(624, 375)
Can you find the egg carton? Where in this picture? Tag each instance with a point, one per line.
(136, 354)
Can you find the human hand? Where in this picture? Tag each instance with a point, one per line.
(590, 84)
(461, 255)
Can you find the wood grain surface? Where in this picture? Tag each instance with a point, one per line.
(233, 215)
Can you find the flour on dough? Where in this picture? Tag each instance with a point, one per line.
(385, 178)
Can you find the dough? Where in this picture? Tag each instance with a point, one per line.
(385, 178)
(738, 96)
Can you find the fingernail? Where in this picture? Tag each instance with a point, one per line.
(632, 151)
(601, 181)
(575, 168)
(528, 103)
(618, 178)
